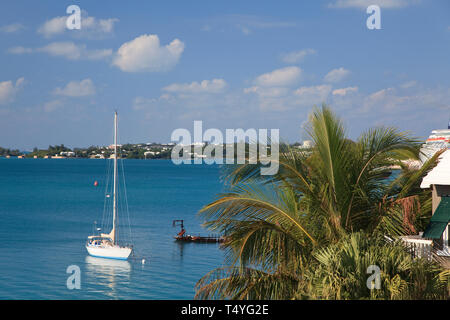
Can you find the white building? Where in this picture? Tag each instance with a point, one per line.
(149, 153)
(67, 153)
(307, 144)
(438, 179)
(111, 146)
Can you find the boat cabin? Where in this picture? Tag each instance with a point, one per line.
(99, 241)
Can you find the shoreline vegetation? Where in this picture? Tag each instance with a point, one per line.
(127, 151)
(328, 225)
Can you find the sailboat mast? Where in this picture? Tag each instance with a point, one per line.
(115, 180)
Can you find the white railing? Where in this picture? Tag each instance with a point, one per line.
(418, 246)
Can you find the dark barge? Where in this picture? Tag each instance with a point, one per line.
(182, 236)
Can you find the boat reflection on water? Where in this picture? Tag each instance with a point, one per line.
(108, 274)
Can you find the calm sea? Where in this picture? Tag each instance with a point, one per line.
(47, 210)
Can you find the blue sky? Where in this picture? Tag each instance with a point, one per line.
(232, 64)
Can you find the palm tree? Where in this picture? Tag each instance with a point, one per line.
(342, 271)
(278, 226)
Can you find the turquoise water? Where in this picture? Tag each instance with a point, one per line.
(47, 209)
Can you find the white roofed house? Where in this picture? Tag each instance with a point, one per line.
(438, 180)
(148, 153)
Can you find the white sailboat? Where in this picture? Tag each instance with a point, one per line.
(106, 245)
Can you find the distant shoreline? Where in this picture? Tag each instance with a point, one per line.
(77, 158)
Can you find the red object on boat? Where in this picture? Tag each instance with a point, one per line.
(95, 183)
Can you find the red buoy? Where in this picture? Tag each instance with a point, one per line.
(95, 183)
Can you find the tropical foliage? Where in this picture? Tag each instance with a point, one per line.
(312, 230)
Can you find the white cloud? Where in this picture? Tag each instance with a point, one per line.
(53, 27)
(73, 51)
(394, 105)
(12, 28)
(415, 103)
(247, 24)
(77, 89)
(381, 94)
(279, 77)
(344, 91)
(408, 84)
(97, 54)
(313, 94)
(336, 75)
(272, 92)
(91, 27)
(363, 4)
(259, 22)
(68, 50)
(53, 105)
(205, 86)
(270, 98)
(101, 25)
(385, 99)
(297, 56)
(283, 105)
(145, 54)
(20, 50)
(140, 103)
(284, 99)
(206, 27)
(245, 30)
(8, 90)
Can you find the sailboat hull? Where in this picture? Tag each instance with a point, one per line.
(116, 252)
